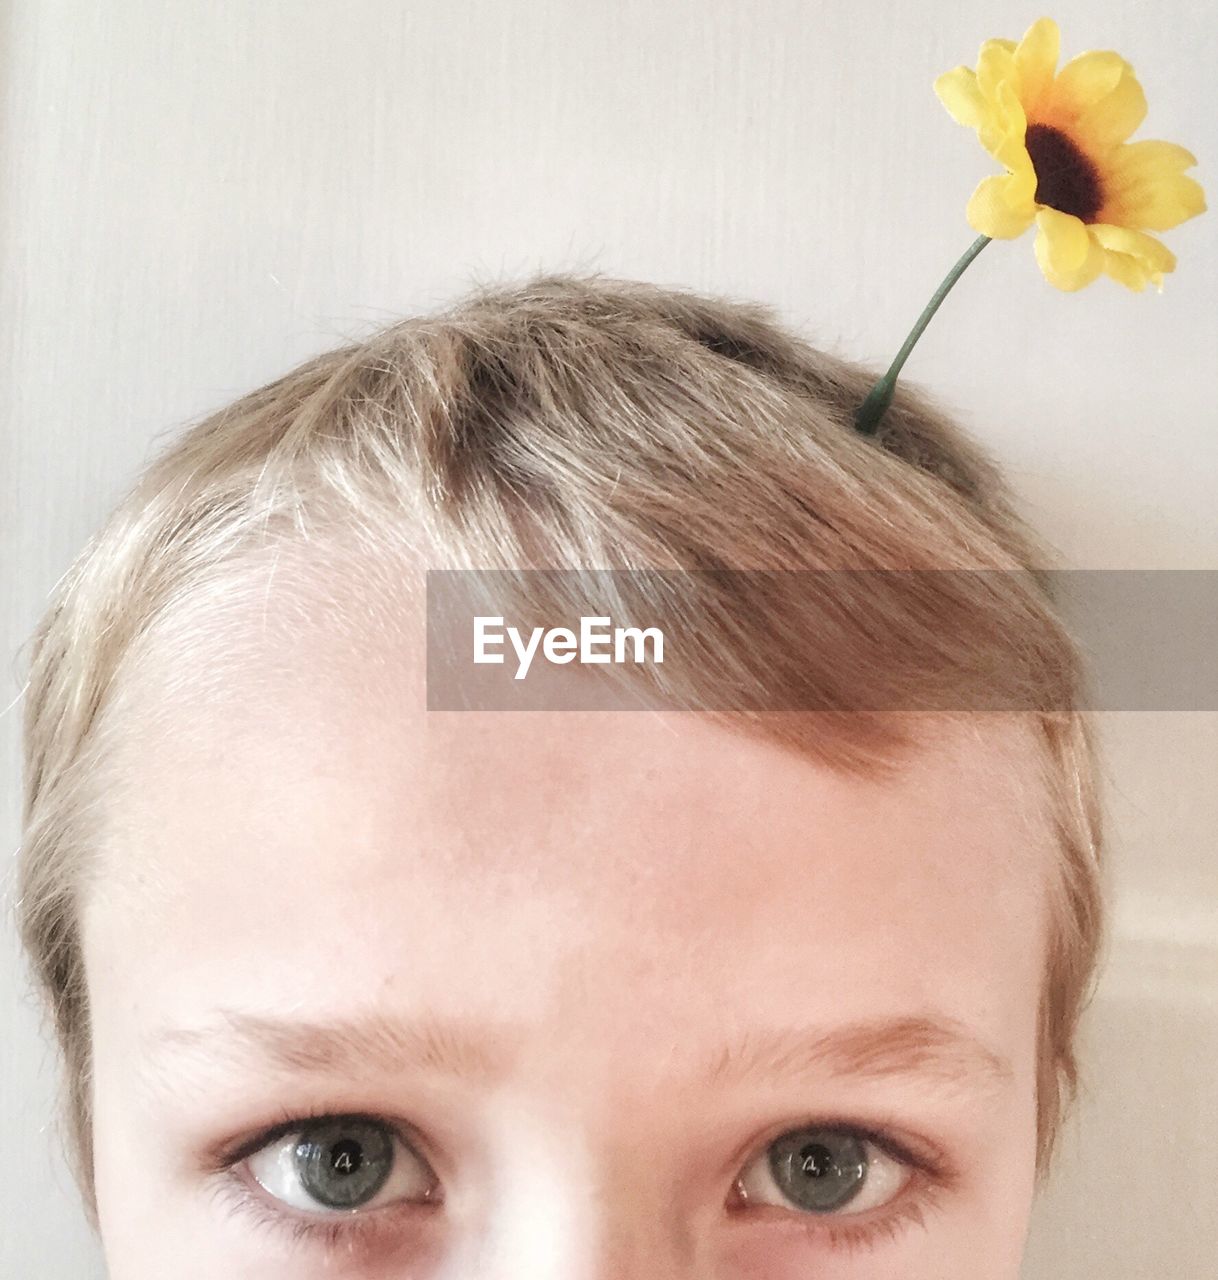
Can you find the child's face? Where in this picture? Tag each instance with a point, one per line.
(594, 997)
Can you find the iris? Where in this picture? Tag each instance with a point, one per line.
(820, 1170)
(342, 1164)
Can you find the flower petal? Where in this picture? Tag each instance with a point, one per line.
(1154, 156)
(1161, 207)
(995, 66)
(1129, 271)
(1134, 258)
(1091, 267)
(1036, 60)
(1093, 264)
(1087, 79)
(1004, 134)
(1110, 121)
(990, 46)
(1001, 207)
(1152, 253)
(1144, 186)
(958, 91)
(1061, 242)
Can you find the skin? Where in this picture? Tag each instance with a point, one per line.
(594, 905)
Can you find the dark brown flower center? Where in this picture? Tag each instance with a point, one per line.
(1065, 178)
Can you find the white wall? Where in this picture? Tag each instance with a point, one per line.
(197, 193)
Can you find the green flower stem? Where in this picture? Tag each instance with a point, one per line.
(867, 419)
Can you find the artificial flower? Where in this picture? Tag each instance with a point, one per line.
(1063, 139)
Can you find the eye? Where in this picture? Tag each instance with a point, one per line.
(825, 1171)
(341, 1164)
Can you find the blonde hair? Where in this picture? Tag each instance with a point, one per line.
(578, 422)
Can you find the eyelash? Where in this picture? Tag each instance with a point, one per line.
(363, 1231)
(849, 1237)
(354, 1233)
(931, 1176)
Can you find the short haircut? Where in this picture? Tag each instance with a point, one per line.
(569, 422)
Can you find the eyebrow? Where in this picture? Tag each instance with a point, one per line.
(371, 1042)
(937, 1050)
(933, 1049)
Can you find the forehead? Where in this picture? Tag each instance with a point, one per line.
(300, 831)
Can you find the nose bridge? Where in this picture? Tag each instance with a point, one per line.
(583, 1174)
(638, 1227)
(575, 1197)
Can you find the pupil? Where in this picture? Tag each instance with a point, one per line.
(346, 1156)
(816, 1161)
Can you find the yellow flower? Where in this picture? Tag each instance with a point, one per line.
(1062, 136)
